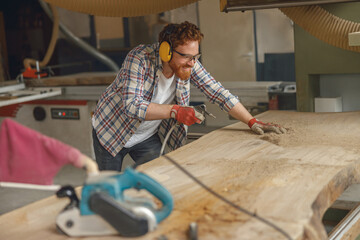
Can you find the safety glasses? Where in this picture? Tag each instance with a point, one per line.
(188, 56)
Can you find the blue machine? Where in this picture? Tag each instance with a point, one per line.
(103, 198)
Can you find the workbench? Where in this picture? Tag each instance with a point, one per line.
(77, 79)
(290, 180)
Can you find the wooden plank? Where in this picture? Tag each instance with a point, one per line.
(290, 180)
(80, 79)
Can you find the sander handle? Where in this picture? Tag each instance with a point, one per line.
(119, 217)
(134, 179)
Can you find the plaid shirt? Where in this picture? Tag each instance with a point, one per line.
(123, 105)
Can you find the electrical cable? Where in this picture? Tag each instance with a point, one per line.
(222, 198)
(166, 140)
(226, 200)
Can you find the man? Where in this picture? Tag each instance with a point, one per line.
(151, 93)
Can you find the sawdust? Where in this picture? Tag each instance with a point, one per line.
(253, 170)
(184, 213)
(303, 132)
(275, 139)
(279, 139)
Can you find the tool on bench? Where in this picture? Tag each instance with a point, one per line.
(104, 209)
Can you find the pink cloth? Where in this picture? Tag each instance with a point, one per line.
(27, 156)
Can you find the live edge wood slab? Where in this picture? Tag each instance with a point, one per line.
(290, 180)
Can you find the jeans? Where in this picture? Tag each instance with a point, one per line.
(141, 153)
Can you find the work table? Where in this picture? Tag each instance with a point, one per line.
(289, 180)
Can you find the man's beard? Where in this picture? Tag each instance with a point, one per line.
(180, 71)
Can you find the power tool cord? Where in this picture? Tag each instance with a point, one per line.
(226, 200)
(166, 140)
(237, 207)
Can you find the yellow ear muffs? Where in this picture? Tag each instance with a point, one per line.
(165, 51)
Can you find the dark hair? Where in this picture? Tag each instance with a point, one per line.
(179, 34)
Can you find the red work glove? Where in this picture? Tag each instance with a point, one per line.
(260, 127)
(186, 115)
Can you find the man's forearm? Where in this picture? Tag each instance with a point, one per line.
(240, 113)
(162, 111)
(158, 111)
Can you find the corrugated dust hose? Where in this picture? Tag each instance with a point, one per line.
(323, 25)
(120, 8)
(313, 19)
(55, 32)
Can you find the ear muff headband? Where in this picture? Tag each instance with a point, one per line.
(165, 50)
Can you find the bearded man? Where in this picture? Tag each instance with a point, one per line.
(151, 93)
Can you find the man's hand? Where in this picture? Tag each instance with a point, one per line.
(186, 115)
(260, 127)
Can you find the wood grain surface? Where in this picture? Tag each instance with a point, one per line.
(289, 180)
(79, 79)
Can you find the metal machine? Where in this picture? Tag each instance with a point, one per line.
(16, 92)
(63, 113)
(104, 209)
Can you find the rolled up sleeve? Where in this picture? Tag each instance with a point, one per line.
(212, 89)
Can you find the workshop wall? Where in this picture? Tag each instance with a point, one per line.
(274, 44)
(275, 33)
(146, 29)
(4, 73)
(25, 27)
(235, 45)
(228, 47)
(346, 86)
(27, 32)
(78, 23)
(314, 57)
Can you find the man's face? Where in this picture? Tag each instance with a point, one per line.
(183, 59)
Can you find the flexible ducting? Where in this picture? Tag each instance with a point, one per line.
(53, 14)
(78, 41)
(323, 25)
(28, 62)
(120, 8)
(313, 19)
